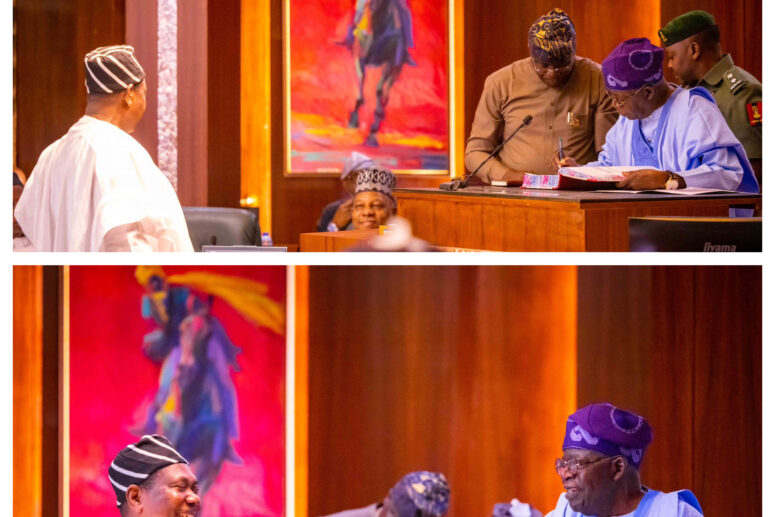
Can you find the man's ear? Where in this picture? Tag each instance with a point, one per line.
(618, 467)
(695, 50)
(134, 497)
(129, 97)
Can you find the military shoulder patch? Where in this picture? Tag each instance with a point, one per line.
(754, 113)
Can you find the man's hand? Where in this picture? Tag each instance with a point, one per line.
(565, 162)
(647, 179)
(343, 214)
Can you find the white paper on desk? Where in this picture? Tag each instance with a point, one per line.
(619, 191)
(599, 173)
(691, 191)
(688, 191)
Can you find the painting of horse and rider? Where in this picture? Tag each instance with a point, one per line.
(195, 354)
(369, 76)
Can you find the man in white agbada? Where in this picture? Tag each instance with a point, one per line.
(96, 188)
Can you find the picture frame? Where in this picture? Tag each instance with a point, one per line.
(98, 416)
(321, 89)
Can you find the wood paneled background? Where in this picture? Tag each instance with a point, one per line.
(423, 389)
(210, 37)
(683, 345)
(472, 371)
(52, 36)
(443, 369)
(27, 390)
(36, 484)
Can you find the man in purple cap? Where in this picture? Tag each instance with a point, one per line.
(417, 494)
(602, 454)
(678, 136)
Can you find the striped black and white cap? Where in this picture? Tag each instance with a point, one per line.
(139, 460)
(112, 69)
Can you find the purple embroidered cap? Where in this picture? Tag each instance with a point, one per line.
(633, 63)
(608, 430)
(421, 492)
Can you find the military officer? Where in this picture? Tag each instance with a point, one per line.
(693, 52)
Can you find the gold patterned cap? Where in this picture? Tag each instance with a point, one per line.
(553, 34)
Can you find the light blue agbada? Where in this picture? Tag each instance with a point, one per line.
(654, 504)
(691, 139)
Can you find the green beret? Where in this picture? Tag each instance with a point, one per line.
(688, 24)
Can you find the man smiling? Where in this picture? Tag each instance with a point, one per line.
(373, 203)
(602, 454)
(151, 479)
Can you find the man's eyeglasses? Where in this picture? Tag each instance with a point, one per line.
(542, 68)
(574, 465)
(621, 103)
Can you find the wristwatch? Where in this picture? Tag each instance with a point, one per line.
(672, 181)
(332, 227)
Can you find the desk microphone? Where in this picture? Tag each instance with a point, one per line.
(458, 183)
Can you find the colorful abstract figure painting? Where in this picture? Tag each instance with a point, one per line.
(194, 354)
(369, 76)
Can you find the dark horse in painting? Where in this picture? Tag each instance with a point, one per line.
(196, 403)
(380, 36)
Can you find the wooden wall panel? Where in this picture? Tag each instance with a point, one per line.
(728, 389)
(629, 344)
(142, 29)
(52, 36)
(27, 390)
(208, 95)
(52, 489)
(740, 24)
(36, 391)
(301, 385)
(256, 108)
(192, 103)
(439, 369)
(682, 346)
(223, 102)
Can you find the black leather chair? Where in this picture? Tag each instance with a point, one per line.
(209, 225)
(695, 233)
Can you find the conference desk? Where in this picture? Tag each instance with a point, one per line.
(334, 241)
(514, 219)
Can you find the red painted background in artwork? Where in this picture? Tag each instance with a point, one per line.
(112, 382)
(323, 89)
